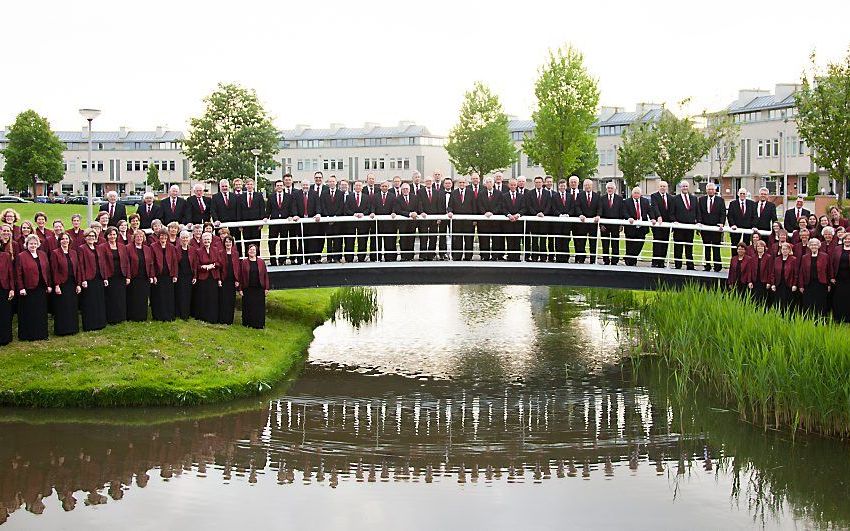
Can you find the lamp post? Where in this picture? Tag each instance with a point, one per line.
(783, 142)
(256, 152)
(89, 115)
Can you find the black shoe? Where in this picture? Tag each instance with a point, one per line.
(707, 269)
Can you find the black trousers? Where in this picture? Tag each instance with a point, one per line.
(635, 238)
(513, 238)
(562, 233)
(486, 239)
(610, 235)
(442, 238)
(358, 234)
(314, 241)
(711, 244)
(334, 245)
(661, 237)
(462, 238)
(537, 241)
(236, 233)
(371, 229)
(735, 238)
(293, 242)
(585, 242)
(387, 241)
(405, 241)
(276, 232)
(552, 229)
(427, 239)
(251, 235)
(683, 240)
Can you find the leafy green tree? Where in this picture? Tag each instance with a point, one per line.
(680, 146)
(823, 118)
(152, 178)
(567, 98)
(480, 142)
(33, 153)
(220, 141)
(636, 157)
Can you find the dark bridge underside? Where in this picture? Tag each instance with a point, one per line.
(520, 273)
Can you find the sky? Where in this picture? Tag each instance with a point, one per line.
(327, 61)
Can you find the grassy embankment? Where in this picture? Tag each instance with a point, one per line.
(776, 370)
(180, 363)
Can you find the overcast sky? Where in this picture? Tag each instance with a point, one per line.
(322, 61)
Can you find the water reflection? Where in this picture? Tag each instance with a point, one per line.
(451, 388)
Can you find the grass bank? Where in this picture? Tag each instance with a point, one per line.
(154, 364)
(776, 370)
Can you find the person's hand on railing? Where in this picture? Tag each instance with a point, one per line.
(631, 220)
(581, 218)
(126, 281)
(659, 220)
(358, 214)
(540, 214)
(265, 219)
(372, 215)
(413, 215)
(105, 283)
(216, 223)
(317, 217)
(58, 290)
(488, 214)
(750, 285)
(449, 215)
(596, 219)
(392, 215)
(296, 218)
(733, 227)
(85, 284)
(423, 215)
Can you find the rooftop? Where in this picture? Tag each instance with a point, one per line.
(369, 130)
(115, 136)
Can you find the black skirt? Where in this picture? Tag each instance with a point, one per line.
(6, 311)
(116, 299)
(784, 298)
(66, 315)
(759, 293)
(138, 293)
(815, 300)
(162, 299)
(93, 304)
(32, 314)
(205, 300)
(841, 302)
(226, 301)
(254, 307)
(183, 296)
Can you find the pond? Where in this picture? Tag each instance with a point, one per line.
(456, 407)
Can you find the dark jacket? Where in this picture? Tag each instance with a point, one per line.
(179, 213)
(26, 270)
(59, 266)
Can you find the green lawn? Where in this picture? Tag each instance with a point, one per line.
(63, 212)
(185, 362)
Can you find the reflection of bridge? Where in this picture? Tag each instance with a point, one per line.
(510, 248)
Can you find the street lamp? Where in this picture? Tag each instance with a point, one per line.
(256, 152)
(90, 115)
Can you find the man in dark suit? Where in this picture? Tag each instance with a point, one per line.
(713, 211)
(382, 205)
(765, 211)
(461, 202)
(199, 206)
(147, 211)
(429, 205)
(359, 206)
(316, 231)
(117, 211)
(662, 202)
(563, 204)
(370, 191)
(685, 210)
(223, 210)
(474, 188)
(537, 204)
(444, 200)
(741, 214)
(415, 187)
(405, 206)
(792, 215)
(307, 205)
(251, 207)
(174, 208)
(290, 234)
(611, 207)
(588, 206)
(513, 207)
(331, 203)
(637, 208)
(491, 242)
(571, 230)
(278, 207)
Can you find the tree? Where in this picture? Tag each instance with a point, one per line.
(567, 98)
(481, 142)
(33, 153)
(823, 118)
(220, 142)
(680, 146)
(636, 157)
(152, 179)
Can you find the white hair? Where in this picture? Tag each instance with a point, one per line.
(112, 193)
(198, 186)
(148, 194)
(764, 190)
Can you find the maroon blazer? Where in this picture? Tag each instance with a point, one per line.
(765, 272)
(824, 267)
(168, 256)
(59, 266)
(230, 268)
(740, 271)
(16, 232)
(77, 238)
(44, 236)
(133, 259)
(835, 258)
(245, 270)
(26, 272)
(16, 247)
(86, 263)
(791, 274)
(799, 250)
(104, 257)
(195, 244)
(7, 272)
(205, 258)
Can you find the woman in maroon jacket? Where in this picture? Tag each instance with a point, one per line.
(841, 291)
(77, 233)
(10, 217)
(229, 281)
(740, 270)
(776, 249)
(8, 244)
(92, 296)
(64, 267)
(207, 280)
(785, 278)
(7, 290)
(254, 287)
(762, 275)
(166, 259)
(815, 280)
(27, 228)
(836, 219)
(32, 279)
(801, 248)
(185, 276)
(142, 275)
(112, 257)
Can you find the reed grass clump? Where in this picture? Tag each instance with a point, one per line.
(778, 370)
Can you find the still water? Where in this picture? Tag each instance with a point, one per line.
(457, 407)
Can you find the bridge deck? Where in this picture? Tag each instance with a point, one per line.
(477, 272)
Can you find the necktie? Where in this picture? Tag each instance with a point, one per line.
(173, 205)
(111, 210)
(332, 196)
(761, 207)
(305, 204)
(406, 200)
(743, 207)
(357, 197)
(429, 195)
(665, 200)
(610, 201)
(798, 214)
(475, 192)
(575, 195)
(226, 202)
(383, 198)
(687, 201)
(637, 208)
(249, 199)
(201, 204)
(588, 198)
(710, 203)
(563, 199)
(149, 209)
(461, 196)
(279, 200)
(513, 198)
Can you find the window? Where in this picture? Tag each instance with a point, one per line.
(406, 164)
(381, 164)
(100, 146)
(802, 184)
(97, 165)
(67, 189)
(300, 165)
(129, 165)
(144, 165)
(516, 135)
(760, 152)
(770, 183)
(339, 164)
(775, 147)
(172, 165)
(137, 165)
